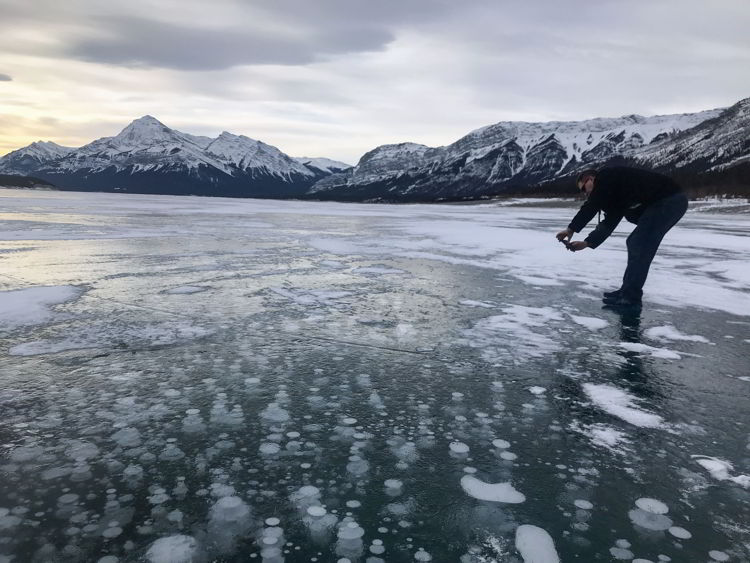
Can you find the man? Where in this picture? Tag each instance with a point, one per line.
(652, 201)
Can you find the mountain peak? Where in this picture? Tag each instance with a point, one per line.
(146, 130)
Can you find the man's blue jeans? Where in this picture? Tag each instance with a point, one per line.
(644, 241)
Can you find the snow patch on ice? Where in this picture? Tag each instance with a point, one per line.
(669, 332)
(662, 353)
(720, 470)
(591, 323)
(31, 306)
(622, 405)
(512, 335)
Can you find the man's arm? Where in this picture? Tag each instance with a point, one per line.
(603, 229)
(585, 214)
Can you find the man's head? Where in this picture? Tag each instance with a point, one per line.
(585, 181)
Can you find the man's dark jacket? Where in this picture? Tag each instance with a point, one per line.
(620, 192)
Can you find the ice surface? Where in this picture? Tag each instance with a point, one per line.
(535, 545)
(347, 367)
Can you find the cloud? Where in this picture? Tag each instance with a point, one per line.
(5, 78)
(132, 41)
(186, 36)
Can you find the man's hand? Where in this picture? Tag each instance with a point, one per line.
(577, 245)
(566, 234)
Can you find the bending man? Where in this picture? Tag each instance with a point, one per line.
(652, 201)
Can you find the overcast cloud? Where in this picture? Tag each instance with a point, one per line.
(336, 78)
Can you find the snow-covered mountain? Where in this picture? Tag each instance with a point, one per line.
(323, 164)
(32, 157)
(519, 156)
(149, 157)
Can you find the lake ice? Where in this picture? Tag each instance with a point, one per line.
(196, 379)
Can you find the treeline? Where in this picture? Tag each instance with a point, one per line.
(12, 180)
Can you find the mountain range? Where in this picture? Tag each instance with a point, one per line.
(705, 148)
(149, 157)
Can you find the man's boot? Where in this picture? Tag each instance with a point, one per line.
(624, 299)
(612, 294)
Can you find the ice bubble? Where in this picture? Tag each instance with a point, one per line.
(652, 505)
(680, 533)
(309, 491)
(173, 549)
(353, 504)
(350, 531)
(112, 532)
(81, 450)
(274, 413)
(496, 492)
(272, 521)
(621, 553)
(349, 421)
(393, 484)
(422, 555)
(718, 555)
(133, 472)
(649, 520)
(536, 390)
(535, 545)
(583, 504)
(501, 444)
(219, 490)
(316, 511)
(508, 456)
(229, 521)
(68, 498)
(127, 437)
(459, 447)
(171, 453)
(269, 448)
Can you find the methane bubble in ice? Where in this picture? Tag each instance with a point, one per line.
(422, 555)
(459, 448)
(652, 505)
(535, 545)
(229, 521)
(320, 524)
(680, 533)
(173, 549)
(349, 543)
(496, 492)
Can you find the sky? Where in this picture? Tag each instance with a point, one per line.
(336, 78)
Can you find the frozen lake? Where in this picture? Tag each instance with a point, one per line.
(196, 379)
